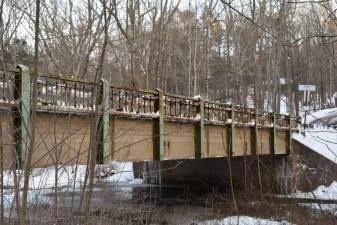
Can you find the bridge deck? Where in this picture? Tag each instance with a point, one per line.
(135, 125)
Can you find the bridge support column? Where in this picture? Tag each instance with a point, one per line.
(22, 115)
(200, 132)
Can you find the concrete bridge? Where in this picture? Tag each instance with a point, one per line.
(134, 125)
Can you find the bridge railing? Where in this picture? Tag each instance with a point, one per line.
(264, 118)
(215, 111)
(59, 93)
(65, 94)
(243, 115)
(180, 107)
(7, 87)
(282, 120)
(132, 101)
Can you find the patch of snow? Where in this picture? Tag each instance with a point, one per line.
(136, 181)
(42, 181)
(243, 220)
(197, 97)
(321, 115)
(322, 140)
(70, 175)
(123, 173)
(331, 208)
(321, 192)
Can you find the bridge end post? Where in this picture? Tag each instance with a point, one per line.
(22, 89)
(200, 131)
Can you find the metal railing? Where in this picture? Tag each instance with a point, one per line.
(244, 115)
(65, 94)
(7, 87)
(132, 101)
(57, 93)
(282, 120)
(180, 107)
(215, 111)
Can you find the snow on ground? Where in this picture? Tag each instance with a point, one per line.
(243, 220)
(73, 175)
(321, 192)
(320, 139)
(70, 178)
(321, 134)
(328, 116)
(123, 174)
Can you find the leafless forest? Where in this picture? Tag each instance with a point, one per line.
(252, 53)
(217, 49)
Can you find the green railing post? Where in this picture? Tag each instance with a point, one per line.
(25, 108)
(105, 120)
(200, 131)
(159, 128)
